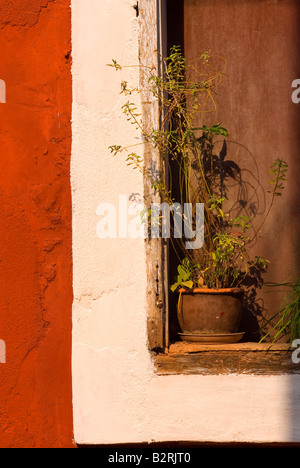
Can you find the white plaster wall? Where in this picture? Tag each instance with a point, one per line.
(117, 397)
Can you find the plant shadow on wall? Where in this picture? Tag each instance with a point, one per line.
(207, 206)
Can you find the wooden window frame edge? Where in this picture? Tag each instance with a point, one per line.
(150, 49)
(240, 358)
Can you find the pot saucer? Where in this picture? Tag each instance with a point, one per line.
(212, 338)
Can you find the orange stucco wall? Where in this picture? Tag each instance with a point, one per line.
(35, 224)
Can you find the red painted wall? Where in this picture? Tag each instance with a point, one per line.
(35, 227)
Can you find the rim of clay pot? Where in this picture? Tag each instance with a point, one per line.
(213, 290)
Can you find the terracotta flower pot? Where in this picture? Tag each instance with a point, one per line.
(210, 315)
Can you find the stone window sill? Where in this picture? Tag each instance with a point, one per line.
(239, 358)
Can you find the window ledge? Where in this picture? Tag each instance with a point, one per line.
(238, 358)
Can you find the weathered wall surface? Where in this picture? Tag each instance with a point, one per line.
(109, 328)
(35, 228)
(118, 398)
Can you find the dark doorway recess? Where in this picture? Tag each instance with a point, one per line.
(175, 23)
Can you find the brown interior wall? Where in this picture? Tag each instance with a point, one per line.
(260, 42)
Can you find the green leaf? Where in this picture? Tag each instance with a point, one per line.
(184, 275)
(188, 284)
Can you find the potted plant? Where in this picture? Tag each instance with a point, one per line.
(210, 278)
(287, 318)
